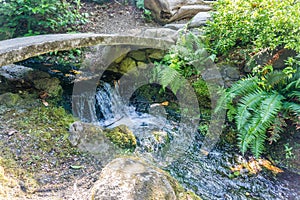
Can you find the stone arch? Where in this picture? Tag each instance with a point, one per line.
(18, 49)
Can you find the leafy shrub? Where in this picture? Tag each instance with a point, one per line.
(258, 23)
(31, 17)
(261, 104)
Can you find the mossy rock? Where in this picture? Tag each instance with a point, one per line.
(127, 64)
(35, 75)
(9, 99)
(121, 136)
(135, 179)
(138, 55)
(49, 85)
(155, 54)
(142, 65)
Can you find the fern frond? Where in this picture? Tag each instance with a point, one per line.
(257, 145)
(232, 111)
(270, 107)
(244, 139)
(295, 94)
(253, 131)
(239, 88)
(243, 86)
(246, 105)
(292, 107)
(276, 78)
(170, 77)
(295, 84)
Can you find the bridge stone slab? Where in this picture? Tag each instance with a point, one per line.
(18, 49)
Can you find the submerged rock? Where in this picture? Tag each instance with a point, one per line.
(131, 179)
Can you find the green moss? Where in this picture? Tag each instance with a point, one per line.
(10, 177)
(202, 93)
(121, 136)
(48, 128)
(9, 99)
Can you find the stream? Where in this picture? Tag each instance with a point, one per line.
(174, 147)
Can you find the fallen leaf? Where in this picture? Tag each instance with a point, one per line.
(75, 71)
(76, 166)
(45, 103)
(55, 70)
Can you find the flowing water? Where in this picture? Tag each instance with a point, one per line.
(164, 143)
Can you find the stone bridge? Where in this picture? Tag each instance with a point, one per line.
(18, 49)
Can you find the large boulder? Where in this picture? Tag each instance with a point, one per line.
(165, 11)
(132, 179)
(275, 57)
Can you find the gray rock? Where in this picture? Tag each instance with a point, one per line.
(166, 11)
(14, 72)
(175, 26)
(91, 138)
(36, 75)
(159, 33)
(275, 57)
(230, 74)
(199, 19)
(131, 179)
(138, 55)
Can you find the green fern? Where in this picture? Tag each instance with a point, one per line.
(240, 88)
(179, 62)
(292, 107)
(259, 104)
(170, 77)
(247, 106)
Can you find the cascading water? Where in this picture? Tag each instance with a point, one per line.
(152, 130)
(209, 177)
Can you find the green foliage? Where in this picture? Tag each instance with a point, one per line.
(256, 23)
(288, 151)
(147, 13)
(32, 17)
(261, 104)
(179, 63)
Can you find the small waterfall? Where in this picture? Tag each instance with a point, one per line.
(84, 106)
(109, 105)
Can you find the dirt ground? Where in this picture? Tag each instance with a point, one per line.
(55, 179)
(114, 18)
